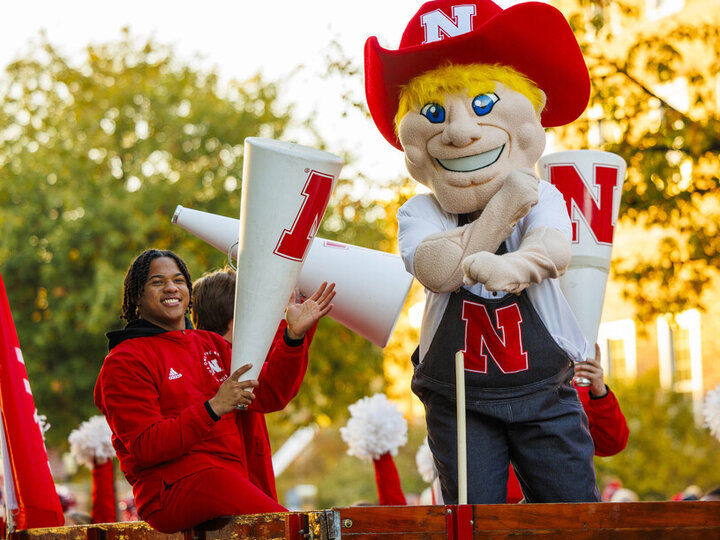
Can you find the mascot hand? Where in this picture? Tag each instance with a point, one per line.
(518, 194)
(496, 272)
(544, 252)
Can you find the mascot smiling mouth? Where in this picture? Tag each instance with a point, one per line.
(472, 163)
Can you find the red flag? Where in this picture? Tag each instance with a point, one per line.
(37, 502)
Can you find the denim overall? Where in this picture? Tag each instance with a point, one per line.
(521, 407)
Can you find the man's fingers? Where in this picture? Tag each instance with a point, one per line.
(589, 364)
(326, 301)
(588, 371)
(239, 371)
(317, 294)
(252, 383)
(243, 398)
(247, 395)
(329, 293)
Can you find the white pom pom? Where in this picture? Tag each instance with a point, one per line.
(425, 463)
(711, 411)
(91, 442)
(375, 427)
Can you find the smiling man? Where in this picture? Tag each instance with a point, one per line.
(467, 97)
(188, 434)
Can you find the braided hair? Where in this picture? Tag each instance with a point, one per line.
(137, 275)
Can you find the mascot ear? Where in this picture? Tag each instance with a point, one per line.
(541, 106)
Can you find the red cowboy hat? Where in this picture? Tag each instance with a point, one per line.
(531, 37)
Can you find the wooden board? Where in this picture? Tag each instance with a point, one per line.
(686, 520)
(260, 527)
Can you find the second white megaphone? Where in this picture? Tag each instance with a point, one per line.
(371, 285)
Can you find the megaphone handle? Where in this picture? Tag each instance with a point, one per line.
(229, 256)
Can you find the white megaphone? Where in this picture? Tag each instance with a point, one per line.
(371, 286)
(591, 182)
(285, 190)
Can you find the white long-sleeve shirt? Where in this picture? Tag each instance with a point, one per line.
(422, 216)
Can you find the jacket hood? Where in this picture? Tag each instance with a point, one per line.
(135, 329)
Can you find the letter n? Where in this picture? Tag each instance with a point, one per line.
(293, 242)
(437, 25)
(597, 214)
(482, 339)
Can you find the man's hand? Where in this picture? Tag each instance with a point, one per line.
(233, 393)
(301, 315)
(592, 370)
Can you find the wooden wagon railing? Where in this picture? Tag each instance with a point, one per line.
(686, 520)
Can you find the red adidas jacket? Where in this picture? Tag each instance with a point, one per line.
(608, 427)
(152, 391)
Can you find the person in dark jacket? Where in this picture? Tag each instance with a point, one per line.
(175, 409)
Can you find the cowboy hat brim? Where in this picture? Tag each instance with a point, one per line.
(533, 38)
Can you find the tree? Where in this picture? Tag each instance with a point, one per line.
(94, 159)
(654, 102)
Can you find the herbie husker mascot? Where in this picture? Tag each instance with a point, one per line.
(466, 97)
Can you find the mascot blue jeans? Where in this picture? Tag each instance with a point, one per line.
(538, 426)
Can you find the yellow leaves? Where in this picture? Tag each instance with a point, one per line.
(59, 292)
(323, 420)
(41, 298)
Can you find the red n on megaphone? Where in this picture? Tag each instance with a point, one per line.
(591, 182)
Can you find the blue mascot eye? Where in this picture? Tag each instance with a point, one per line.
(484, 103)
(433, 112)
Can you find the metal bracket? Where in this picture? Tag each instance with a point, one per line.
(324, 525)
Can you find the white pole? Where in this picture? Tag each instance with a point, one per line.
(295, 444)
(461, 433)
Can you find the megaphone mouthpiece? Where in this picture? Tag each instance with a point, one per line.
(176, 215)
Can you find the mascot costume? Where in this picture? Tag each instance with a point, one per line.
(466, 97)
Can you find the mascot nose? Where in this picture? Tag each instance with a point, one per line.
(461, 130)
